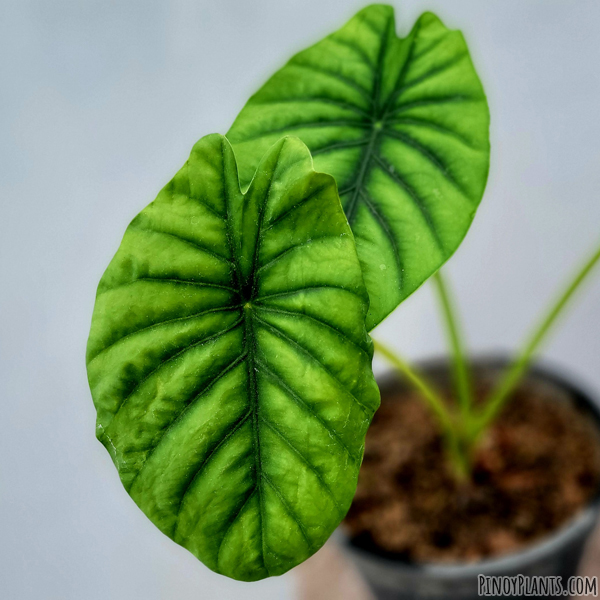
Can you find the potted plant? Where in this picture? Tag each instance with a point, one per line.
(229, 357)
(495, 471)
(403, 124)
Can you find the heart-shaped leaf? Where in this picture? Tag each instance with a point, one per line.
(229, 361)
(402, 124)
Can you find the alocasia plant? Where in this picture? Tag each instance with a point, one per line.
(228, 357)
(402, 124)
(229, 362)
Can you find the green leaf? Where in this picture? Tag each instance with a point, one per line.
(402, 124)
(229, 361)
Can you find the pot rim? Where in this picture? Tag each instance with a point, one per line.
(570, 531)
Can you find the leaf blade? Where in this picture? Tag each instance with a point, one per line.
(424, 122)
(198, 367)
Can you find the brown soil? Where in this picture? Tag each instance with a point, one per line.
(537, 467)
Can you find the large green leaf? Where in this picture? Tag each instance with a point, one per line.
(229, 361)
(402, 124)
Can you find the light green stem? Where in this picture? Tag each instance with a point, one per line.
(461, 372)
(435, 401)
(512, 377)
(460, 458)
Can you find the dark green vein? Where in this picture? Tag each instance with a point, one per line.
(296, 315)
(171, 280)
(190, 243)
(160, 323)
(365, 161)
(403, 72)
(282, 385)
(418, 202)
(378, 72)
(173, 357)
(292, 342)
(409, 141)
(376, 30)
(428, 49)
(288, 509)
(346, 190)
(236, 426)
(431, 73)
(304, 289)
(250, 340)
(230, 367)
(354, 47)
(430, 102)
(371, 140)
(333, 75)
(207, 206)
(306, 125)
(290, 210)
(324, 100)
(236, 515)
(413, 121)
(186, 282)
(261, 219)
(281, 255)
(303, 458)
(228, 229)
(387, 230)
(340, 146)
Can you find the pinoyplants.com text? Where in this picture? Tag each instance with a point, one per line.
(524, 585)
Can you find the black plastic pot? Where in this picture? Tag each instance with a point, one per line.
(558, 554)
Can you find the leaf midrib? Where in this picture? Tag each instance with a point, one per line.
(378, 130)
(372, 143)
(250, 349)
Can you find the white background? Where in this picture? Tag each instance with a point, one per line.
(100, 103)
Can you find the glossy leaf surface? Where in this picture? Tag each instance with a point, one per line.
(402, 124)
(229, 362)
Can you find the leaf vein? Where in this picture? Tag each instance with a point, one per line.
(292, 342)
(430, 102)
(308, 287)
(387, 169)
(371, 140)
(387, 230)
(230, 367)
(290, 210)
(232, 521)
(431, 73)
(354, 47)
(333, 75)
(429, 155)
(288, 509)
(323, 99)
(222, 442)
(340, 146)
(255, 407)
(307, 125)
(310, 466)
(170, 280)
(185, 241)
(160, 323)
(303, 405)
(436, 127)
(162, 363)
(281, 255)
(321, 322)
(203, 203)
